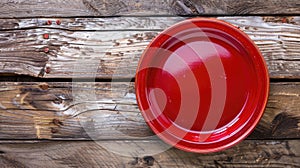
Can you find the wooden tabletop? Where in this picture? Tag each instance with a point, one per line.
(67, 91)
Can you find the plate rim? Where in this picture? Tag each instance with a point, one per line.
(265, 87)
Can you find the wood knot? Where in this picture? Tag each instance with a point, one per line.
(283, 121)
(47, 69)
(44, 86)
(54, 130)
(140, 38)
(148, 160)
(46, 50)
(284, 20)
(57, 122)
(116, 44)
(48, 22)
(58, 100)
(46, 36)
(129, 42)
(58, 22)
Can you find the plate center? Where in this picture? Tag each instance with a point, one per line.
(205, 85)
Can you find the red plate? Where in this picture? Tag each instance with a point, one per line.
(202, 85)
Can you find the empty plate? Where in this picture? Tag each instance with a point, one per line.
(202, 85)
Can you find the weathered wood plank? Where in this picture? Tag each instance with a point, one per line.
(34, 8)
(115, 53)
(91, 154)
(137, 23)
(109, 111)
(88, 24)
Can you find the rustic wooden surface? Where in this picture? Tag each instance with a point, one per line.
(109, 111)
(252, 153)
(111, 47)
(34, 8)
(48, 117)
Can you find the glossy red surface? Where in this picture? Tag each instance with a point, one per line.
(202, 85)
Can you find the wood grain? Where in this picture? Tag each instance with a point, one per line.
(51, 124)
(87, 110)
(35, 8)
(111, 47)
(91, 154)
